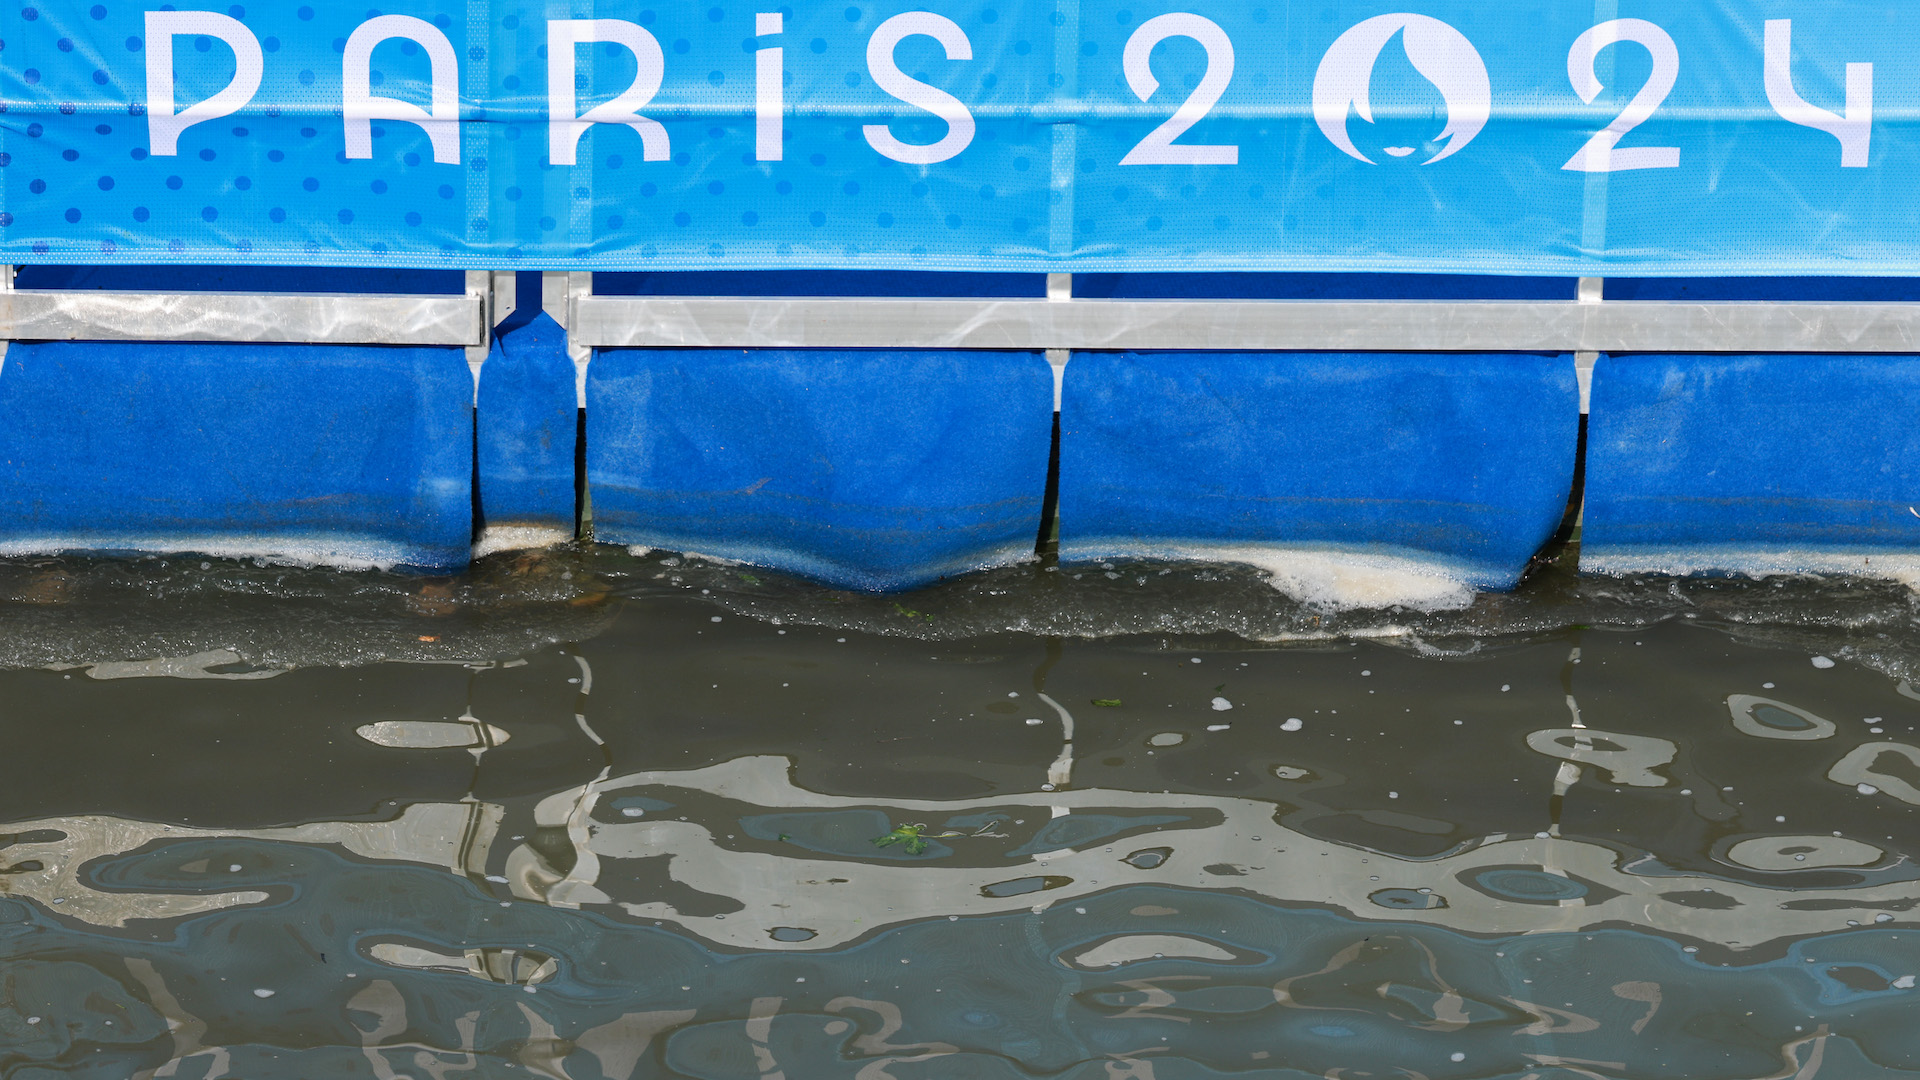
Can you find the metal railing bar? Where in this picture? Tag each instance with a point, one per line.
(1357, 325)
(459, 319)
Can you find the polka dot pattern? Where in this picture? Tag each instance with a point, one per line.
(273, 181)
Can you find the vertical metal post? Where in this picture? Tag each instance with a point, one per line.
(480, 288)
(553, 297)
(1592, 290)
(1059, 291)
(505, 289)
(6, 285)
(577, 284)
(574, 287)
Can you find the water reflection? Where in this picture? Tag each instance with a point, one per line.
(747, 849)
(737, 852)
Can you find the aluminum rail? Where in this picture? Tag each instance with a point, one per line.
(462, 319)
(465, 319)
(1369, 325)
(331, 318)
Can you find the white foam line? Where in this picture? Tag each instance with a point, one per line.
(1321, 577)
(802, 564)
(1900, 566)
(498, 538)
(340, 552)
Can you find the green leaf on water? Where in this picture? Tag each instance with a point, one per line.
(1107, 702)
(749, 579)
(907, 836)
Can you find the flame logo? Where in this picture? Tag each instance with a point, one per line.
(1437, 51)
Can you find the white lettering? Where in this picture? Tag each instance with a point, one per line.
(359, 107)
(163, 124)
(1600, 154)
(1854, 130)
(888, 76)
(1157, 148)
(564, 124)
(769, 100)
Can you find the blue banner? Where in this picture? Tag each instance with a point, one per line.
(1716, 137)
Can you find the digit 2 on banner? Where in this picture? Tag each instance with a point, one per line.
(1158, 147)
(1601, 153)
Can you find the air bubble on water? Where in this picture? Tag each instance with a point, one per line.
(632, 811)
(1292, 723)
(1456, 1056)
(1822, 663)
(1218, 727)
(1866, 789)
(1033, 720)
(1504, 687)
(1221, 704)
(263, 992)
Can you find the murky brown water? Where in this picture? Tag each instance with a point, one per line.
(591, 815)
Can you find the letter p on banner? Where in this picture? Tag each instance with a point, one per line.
(163, 124)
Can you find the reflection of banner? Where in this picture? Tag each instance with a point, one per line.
(1722, 137)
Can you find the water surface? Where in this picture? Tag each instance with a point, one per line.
(593, 815)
